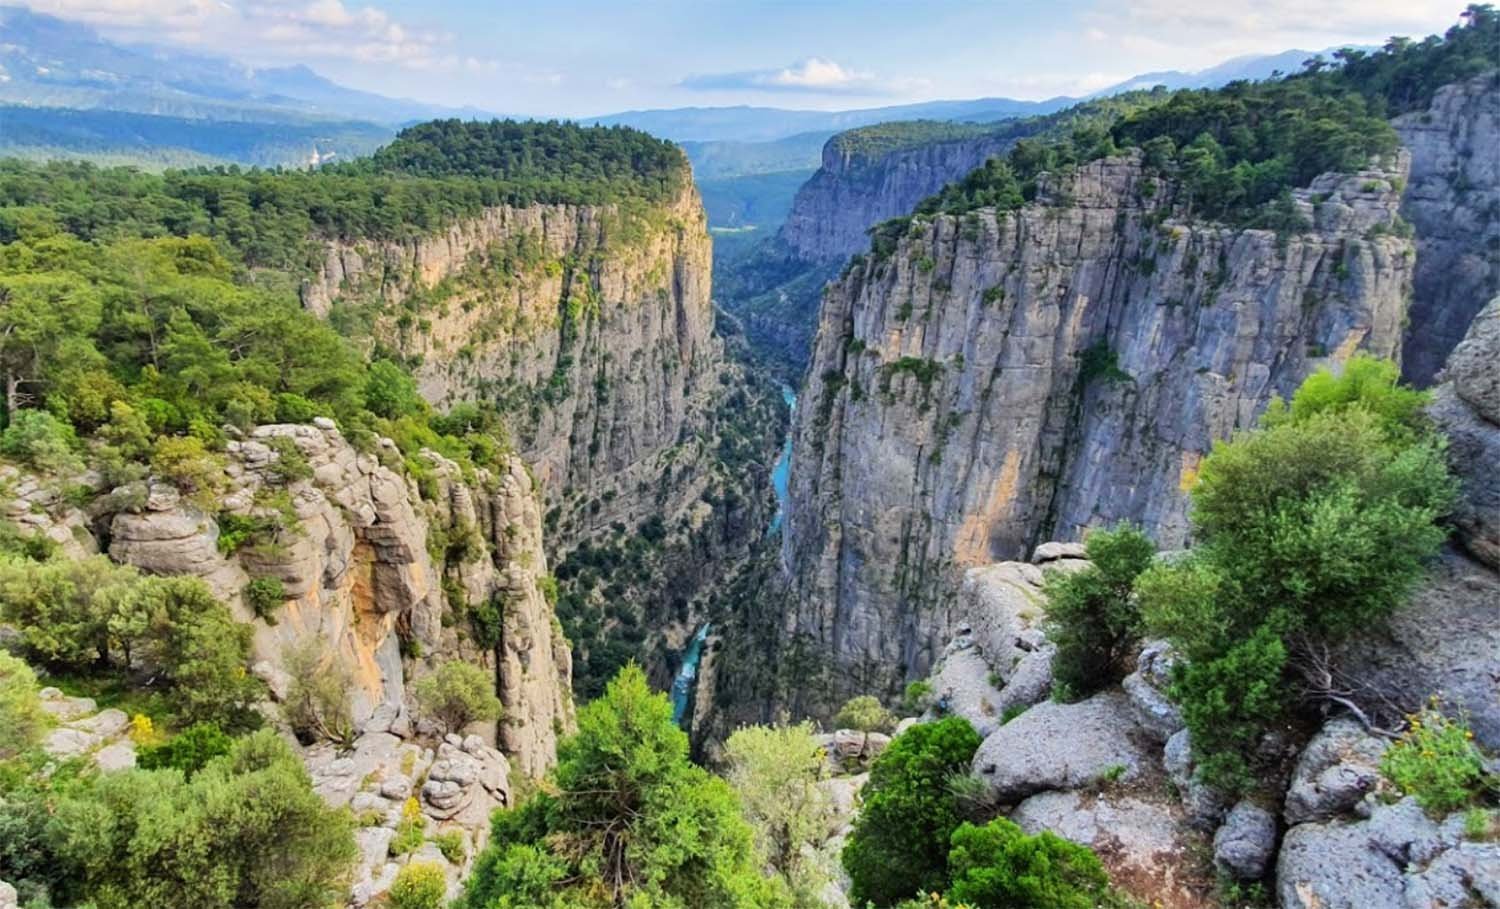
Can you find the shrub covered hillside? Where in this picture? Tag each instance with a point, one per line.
(1239, 150)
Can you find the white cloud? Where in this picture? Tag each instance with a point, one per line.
(273, 30)
(814, 75)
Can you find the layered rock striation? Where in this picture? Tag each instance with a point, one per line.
(1005, 378)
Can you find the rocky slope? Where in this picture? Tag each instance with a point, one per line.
(1453, 201)
(1000, 380)
(377, 574)
(593, 328)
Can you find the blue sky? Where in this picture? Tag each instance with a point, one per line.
(577, 57)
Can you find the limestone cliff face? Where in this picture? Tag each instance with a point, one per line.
(379, 576)
(1001, 380)
(593, 324)
(851, 191)
(1453, 201)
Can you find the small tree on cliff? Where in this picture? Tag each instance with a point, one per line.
(1092, 616)
(458, 694)
(1312, 526)
(899, 846)
(628, 822)
(776, 771)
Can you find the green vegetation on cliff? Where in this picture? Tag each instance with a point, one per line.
(1237, 151)
(429, 176)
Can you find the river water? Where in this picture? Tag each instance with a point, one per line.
(682, 686)
(782, 472)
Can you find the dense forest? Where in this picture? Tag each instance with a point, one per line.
(430, 175)
(1239, 150)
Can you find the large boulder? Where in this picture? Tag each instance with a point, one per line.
(1334, 772)
(963, 687)
(1142, 838)
(1205, 805)
(1243, 847)
(1397, 858)
(1065, 746)
(1147, 690)
(1444, 639)
(1467, 409)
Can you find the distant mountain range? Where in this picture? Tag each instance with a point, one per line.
(65, 90)
(50, 62)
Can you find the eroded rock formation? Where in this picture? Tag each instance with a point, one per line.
(591, 324)
(361, 579)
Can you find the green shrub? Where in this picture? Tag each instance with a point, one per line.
(643, 826)
(458, 694)
(1436, 761)
(420, 885)
(90, 613)
(290, 465)
(391, 392)
(154, 838)
(292, 408)
(996, 866)
(775, 770)
(1229, 701)
(188, 751)
(1092, 615)
(318, 699)
(899, 845)
(1314, 525)
(22, 719)
(265, 596)
(917, 697)
(184, 462)
(453, 845)
(411, 830)
(41, 440)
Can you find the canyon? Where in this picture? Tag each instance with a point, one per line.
(998, 381)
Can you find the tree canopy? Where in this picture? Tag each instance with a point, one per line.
(629, 821)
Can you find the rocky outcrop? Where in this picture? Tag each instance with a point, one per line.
(1055, 746)
(404, 796)
(1467, 409)
(1139, 836)
(1004, 379)
(379, 573)
(84, 731)
(1396, 857)
(1446, 638)
(1452, 199)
